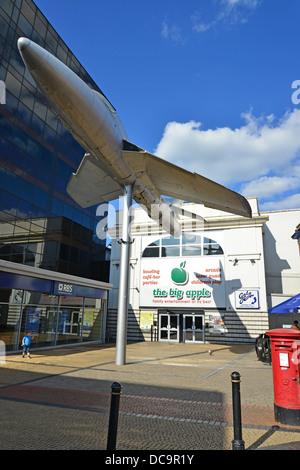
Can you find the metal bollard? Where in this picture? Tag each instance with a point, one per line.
(237, 443)
(113, 416)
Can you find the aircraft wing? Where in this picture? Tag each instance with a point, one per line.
(166, 179)
(91, 184)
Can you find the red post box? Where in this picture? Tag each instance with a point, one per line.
(285, 351)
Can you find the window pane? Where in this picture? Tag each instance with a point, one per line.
(208, 240)
(69, 325)
(9, 203)
(170, 241)
(13, 296)
(190, 238)
(92, 319)
(10, 318)
(170, 251)
(156, 243)
(41, 322)
(46, 157)
(11, 182)
(193, 250)
(6, 127)
(13, 85)
(27, 191)
(213, 249)
(151, 252)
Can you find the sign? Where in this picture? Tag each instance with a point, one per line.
(88, 320)
(146, 321)
(247, 298)
(64, 316)
(283, 359)
(33, 319)
(63, 288)
(68, 289)
(195, 281)
(216, 324)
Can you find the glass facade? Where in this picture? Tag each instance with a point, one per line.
(53, 320)
(40, 225)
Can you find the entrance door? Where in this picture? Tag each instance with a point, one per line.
(169, 327)
(193, 330)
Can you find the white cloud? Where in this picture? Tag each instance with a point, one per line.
(173, 32)
(232, 155)
(220, 13)
(263, 155)
(225, 12)
(269, 186)
(290, 202)
(243, 3)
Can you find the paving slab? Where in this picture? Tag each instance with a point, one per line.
(174, 397)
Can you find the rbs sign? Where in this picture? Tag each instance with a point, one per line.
(62, 288)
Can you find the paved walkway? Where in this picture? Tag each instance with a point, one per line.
(174, 397)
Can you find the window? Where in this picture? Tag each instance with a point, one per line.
(189, 244)
(152, 250)
(170, 247)
(210, 247)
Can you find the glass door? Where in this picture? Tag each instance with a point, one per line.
(169, 327)
(69, 320)
(193, 331)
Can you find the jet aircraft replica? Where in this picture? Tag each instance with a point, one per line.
(111, 161)
(114, 167)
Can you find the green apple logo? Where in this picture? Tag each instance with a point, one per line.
(179, 275)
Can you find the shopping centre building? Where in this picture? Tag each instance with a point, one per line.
(54, 271)
(215, 283)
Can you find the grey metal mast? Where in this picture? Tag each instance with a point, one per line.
(124, 279)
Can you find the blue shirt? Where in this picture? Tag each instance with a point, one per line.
(26, 340)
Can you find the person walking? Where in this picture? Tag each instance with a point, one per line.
(26, 341)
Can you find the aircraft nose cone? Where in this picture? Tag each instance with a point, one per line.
(40, 64)
(31, 53)
(23, 43)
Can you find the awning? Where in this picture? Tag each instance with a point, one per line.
(291, 305)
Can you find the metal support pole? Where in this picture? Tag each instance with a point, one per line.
(124, 279)
(237, 443)
(113, 416)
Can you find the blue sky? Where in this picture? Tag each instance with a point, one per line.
(205, 84)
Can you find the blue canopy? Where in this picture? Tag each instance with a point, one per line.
(291, 305)
(296, 235)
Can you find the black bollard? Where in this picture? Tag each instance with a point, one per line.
(237, 443)
(113, 416)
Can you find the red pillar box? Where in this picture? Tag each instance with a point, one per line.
(285, 350)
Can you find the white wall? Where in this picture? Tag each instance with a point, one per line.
(245, 263)
(244, 269)
(282, 260)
